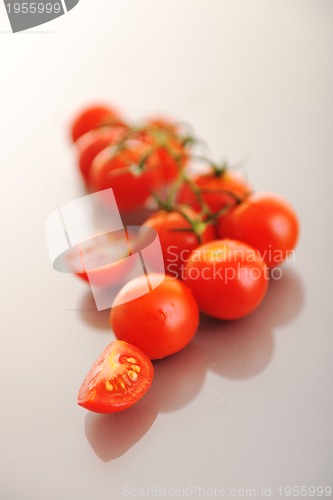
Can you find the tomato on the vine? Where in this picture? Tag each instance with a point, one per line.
(93, 117)
(169, 151)
(93, 142)
(180, 232)
(267, 222)
(160, 322)
(216, 189)
(118, 379)
(127, 170)
(228, 278)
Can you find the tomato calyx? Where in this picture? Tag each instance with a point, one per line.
(196, 225)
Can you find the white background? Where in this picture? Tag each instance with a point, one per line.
(249, 403)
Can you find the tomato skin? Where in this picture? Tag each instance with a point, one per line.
(177, 245)
(214, 189)
(168, 154)
(120, 376)
(108, 275)
(228, 278)
(161, 322)
(112, 169)
(93, 142)
(165, 159)
(265, 221)
(93, 117)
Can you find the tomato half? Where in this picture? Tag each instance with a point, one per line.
(93, 117)
(118, 379)
(160, 322)
(228, 278)
(179, 237)
(214, 188)
(265, 221)
(93, 142)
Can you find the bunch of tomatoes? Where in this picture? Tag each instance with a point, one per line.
(220, 243)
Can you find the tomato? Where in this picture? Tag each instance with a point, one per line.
(93, 117)
(118, 379)
(178, 236)
(119, 169)
(93, 142)
(163, 123)
(214, 188)
(160, 322)
(101, 260)
(228, 278)
(169, 153)
(267, 222)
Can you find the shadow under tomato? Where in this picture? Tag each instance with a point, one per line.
(236, 349)
(284, 299)
(89, 313)
(233, 349)
(178, 380)
(110, 436)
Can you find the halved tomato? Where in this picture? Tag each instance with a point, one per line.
(118, 379)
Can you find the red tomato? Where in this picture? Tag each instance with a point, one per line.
(119, 378)
(214, 188)
(104, 257)
(119, 169)
(178, 236)
(163, 123)
(168, 152)
(267, 222)
(228, 278)
(93, 117)
(93, 142)
(170, 159)
(160, 322)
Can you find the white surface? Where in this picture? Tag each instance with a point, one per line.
(248, 403)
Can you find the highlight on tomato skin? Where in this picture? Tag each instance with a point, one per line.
(119, 378)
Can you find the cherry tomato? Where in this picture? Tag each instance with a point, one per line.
(267, 222)
(169, 153)
(171, 159)
(228, 278)
(121, 169)
(119, 378)
(93, 117)
(163, 123)
(93, 142)
(103, 258)
(160, 322)
(178, 236)
(214, 188)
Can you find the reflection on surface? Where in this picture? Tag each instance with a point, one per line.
(178, 379)
(284, 299)
(89, 314)
(236, 349)
(111, 436)
(232, 349)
